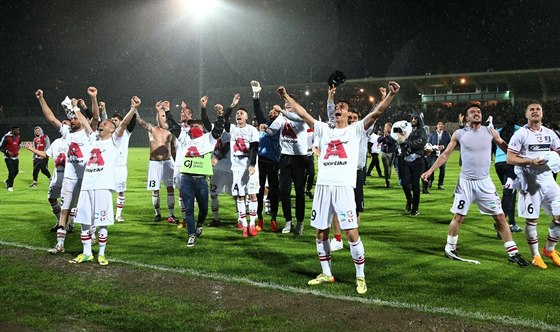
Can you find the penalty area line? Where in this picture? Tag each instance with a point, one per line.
(297, 290)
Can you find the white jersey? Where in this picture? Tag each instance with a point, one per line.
(531, 144)
(122, 147)
(375, 146)
(339, 153)
(57, 151)
(241, 139)
(179, 147)
(77, 153)
(362, 157)
(100, 167)
(293, 135)
(223, 164)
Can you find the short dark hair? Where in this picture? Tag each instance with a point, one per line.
(470, 106)
(14, 127)
(243, 109)
(118, 116)
(531, 102)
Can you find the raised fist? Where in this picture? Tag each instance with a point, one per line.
(394, 87)
(282, 91)
(219, 109)
(39, 94)
(92, 91)
(203, 101)
(135, 102)
(102, 105)
(235, 99)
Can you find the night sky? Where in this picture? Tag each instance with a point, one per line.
(153, 48)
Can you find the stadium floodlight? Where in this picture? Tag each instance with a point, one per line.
(198, 8)
(307, 92)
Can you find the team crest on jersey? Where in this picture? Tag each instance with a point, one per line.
(288, 131)
(192, 152)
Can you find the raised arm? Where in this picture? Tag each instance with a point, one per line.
(49, 115)
(83, 121)
(297, 108)
(92, 92)
(146, 125)
(370, 119)
(330, 104)
(204, 114)
(103, 111)
(134, 105)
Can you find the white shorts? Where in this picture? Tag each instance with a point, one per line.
(245, 184)
(70, 192)
(160, 170)
(177, 176)
(55, 186)
(547, 197)
(220, 182)
(95, 207)
(483, 192)
(328, 200)
(121, 173)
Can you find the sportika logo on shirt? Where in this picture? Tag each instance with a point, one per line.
(335, 148)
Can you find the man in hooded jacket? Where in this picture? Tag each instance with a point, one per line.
(411, 162)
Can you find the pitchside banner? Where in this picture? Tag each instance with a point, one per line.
(197, 165)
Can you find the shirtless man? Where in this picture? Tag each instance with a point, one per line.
(161, 164)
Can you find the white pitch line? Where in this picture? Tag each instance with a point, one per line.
(394, 304)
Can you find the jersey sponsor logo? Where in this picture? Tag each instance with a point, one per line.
(74, 152)
(240, 146)
(96, 158)
(539, 147)
(288, 132)
(336, 148)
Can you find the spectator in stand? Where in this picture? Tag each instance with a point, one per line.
(41, 142)
(9, 145)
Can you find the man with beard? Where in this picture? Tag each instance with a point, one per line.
(475, 184)
(411, 162)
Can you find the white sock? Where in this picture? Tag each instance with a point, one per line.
(532, 237)
(171, 203)
(324, 252)
(451, 242)
(242, 212)
(252, 212)
(511, 248)
(155, 201)
(102, 240)
(120, 203)
(358, 256)
(86, 240)
(553, 235)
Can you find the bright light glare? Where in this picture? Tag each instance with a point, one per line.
(307, 92)
(198, 8)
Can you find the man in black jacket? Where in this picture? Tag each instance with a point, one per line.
(411, 162)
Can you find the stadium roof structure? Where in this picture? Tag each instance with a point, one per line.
(542, 84)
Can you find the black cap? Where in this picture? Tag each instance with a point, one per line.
(336, 78)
